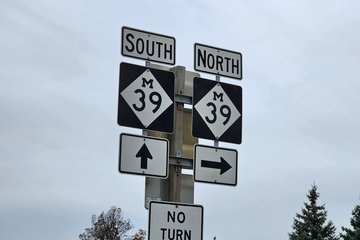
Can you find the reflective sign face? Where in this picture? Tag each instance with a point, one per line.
(148, 46)
(217, 111)
(143, 155)
(146, 98)
(217, 61)
(215, 165)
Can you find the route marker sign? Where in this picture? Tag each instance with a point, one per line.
(217, 61)
(217, 111)
(169, 221)
(148, 46)
(146, 98)
(215, 165)
(143, 155)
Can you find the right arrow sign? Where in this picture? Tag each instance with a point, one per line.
(215, 165)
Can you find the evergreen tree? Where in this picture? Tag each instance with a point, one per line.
(311, 224)
(353, 234)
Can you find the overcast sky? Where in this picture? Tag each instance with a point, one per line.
(59, 136)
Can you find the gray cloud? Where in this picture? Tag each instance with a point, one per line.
(58, 102)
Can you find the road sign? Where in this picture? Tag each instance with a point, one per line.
(169, 221)
(144, 155)
(215, 165)
(148, 46)
(217, 61)
(146, 98)
(217, 111)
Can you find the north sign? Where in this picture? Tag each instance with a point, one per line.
(146, 98)
(143, 155)
(148, 46)
(170, 221)
(217, 61)
(215, 165)
(217, 111)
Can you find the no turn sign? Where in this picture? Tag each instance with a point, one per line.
(169, 221)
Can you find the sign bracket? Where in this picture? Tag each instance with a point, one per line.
(186, 163)
(183, 99)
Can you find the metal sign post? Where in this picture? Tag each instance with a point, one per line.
(153, 98)
(178, 187)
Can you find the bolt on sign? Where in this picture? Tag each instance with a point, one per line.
(170, 221)
(217, 61)
(148, 46)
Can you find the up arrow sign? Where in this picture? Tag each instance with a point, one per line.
(135, 152)
(223, 165)
(208, 168)
(144, 154)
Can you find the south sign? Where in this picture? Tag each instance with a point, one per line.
(148, 46)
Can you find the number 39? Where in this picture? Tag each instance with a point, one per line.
(154, 97)
(225, 111)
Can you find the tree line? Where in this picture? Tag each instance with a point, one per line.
(310, 224)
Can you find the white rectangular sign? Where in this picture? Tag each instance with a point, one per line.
(170, 221)
(144, 155)
(148, 46)
(215, 165)
(217, 61)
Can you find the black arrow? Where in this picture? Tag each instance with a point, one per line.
(223, 165)
(144, 154)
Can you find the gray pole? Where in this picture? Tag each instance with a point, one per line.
(176, 139)
(170, 189)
